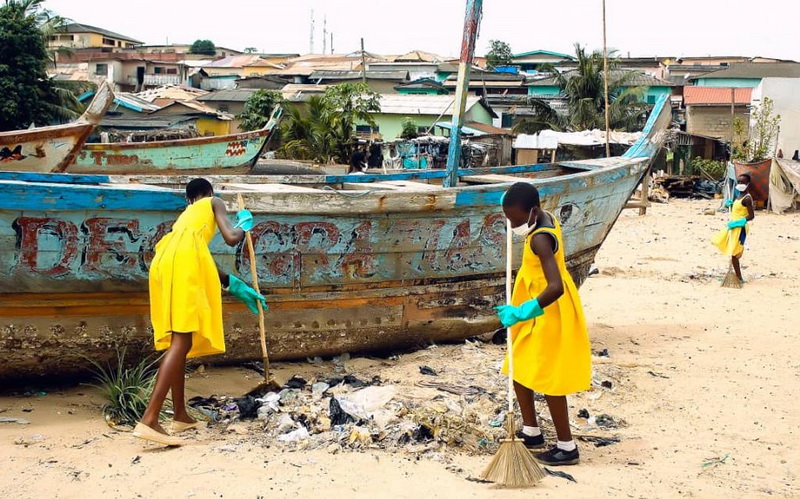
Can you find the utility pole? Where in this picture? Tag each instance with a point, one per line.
(605, 84)
(363, 63)
(325, 34)
(311, 34)
(332, 43)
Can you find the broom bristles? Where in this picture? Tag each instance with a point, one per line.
(513, 466)
(731, 281)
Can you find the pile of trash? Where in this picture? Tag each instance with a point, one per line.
(339, 411)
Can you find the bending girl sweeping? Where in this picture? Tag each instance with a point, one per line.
(551, 349)
(186, 301)
(730, 241)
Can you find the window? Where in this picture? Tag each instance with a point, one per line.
(172, 71)
(366, 129)
(507, 120)
(108, 41)
(651, 99)
(158, 70)
(223, 108)
(101, 69)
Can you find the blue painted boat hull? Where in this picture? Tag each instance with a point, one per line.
(359, 269)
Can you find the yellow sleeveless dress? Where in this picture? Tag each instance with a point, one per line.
(552, 353)
(185, 292)
(731, 241)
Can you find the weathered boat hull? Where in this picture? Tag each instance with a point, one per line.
(343, 270)
(228, 154)
(52, 148)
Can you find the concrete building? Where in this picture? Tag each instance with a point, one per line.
(81, 36)
(785, 94)
(709, 113)
(747, 75)
(425, 111)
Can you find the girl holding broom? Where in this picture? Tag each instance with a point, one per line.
(730, 240)
(551, 349)
(186, 302)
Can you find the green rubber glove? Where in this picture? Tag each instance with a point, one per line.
(244, 221)
(246, 294)
(729, 203)
(739, 222)
(510, 315)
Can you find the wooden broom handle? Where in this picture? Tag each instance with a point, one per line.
(509, 343)
(254, 274)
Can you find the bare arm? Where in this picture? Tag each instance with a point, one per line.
(748, 203)
(224, 278)
(231, 236)
(542, 246)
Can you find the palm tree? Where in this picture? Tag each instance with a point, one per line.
(581, 91)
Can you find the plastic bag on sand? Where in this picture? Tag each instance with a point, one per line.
(297, 435)
(368, 404)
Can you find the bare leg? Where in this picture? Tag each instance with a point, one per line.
(736, 268)
(177, 389)
(525, 399)
(559, 412)
(172, 365)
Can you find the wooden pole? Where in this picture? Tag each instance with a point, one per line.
(472, 20)
(605, 84)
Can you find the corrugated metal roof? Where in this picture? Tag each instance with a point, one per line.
(85, 28)
(713, 96)
(638, 80)
(355, 75)
(755, 70)
(231, 95)
(419, 56)
(430, 105)
(240, 61)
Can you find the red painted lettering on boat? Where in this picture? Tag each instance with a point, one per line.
(30, 231)
(357, 260)
(105, 250)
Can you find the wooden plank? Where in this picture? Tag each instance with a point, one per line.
(489, 179)
(268, 188)
(410, 185)
(55, 178)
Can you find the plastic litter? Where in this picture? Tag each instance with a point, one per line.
(248, 407)
(337, 414)
(428, 371)
(560, 474)
(296, 382)
(599, 441)
(318, 389)
(14, 420)
(583, 414)
(297, 435)
(607, 384)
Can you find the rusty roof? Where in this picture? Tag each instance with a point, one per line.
(754, 70)
(715, 96)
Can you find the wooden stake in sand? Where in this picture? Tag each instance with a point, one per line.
(513, 465)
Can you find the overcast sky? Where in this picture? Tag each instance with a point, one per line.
(642, 28)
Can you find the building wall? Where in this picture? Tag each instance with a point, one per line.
(211, 126)
(713, 121)
(259, 70)
(542, 91)
(728, 82)
(234, 108)
(785, 92)
(653, 93)
(86, 40)
(391, 125)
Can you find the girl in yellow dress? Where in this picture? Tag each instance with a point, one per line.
(186, 301)
(551, 349)
(730, 241)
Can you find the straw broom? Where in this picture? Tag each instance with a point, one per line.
(731, 281)
(513, 465)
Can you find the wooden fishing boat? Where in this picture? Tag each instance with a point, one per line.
(230, 154)
(348, 263)
(52, 148)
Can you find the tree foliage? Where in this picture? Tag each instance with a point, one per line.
(204, 47)
(325, 132)
(258, 109)
(583, 95)
(499, 54)
(409, 129)
(763, 132)
(251, 50)
(26, 94)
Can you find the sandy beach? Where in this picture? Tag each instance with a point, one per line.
(705, 378)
